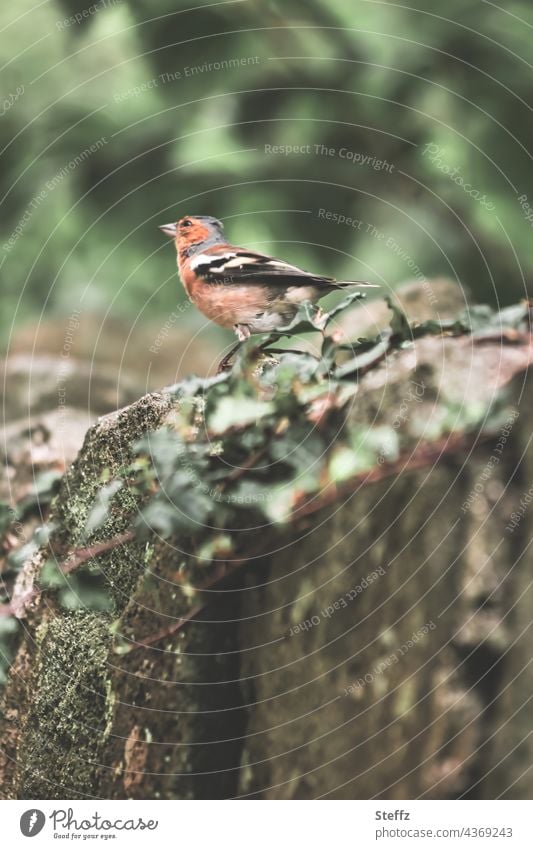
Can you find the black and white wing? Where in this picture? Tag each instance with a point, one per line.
(231, 265)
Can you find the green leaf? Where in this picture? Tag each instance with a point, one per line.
(399, 323)
(343, 305)
(344, 463)
(515, 316)
(306, 320)
(51, 576)
(374, 443)
(386, 442)
(9, 626)
(100, 510)
(231, 412)
(297, 365)
(300, 447)
(79, 597)
(46, 485)
(8, 515)
(328, 356)
(193, 385)
(249, 495)
(432, 327)
(214, 548)
(183, 509)
(162, 447)
(364, 360)
(122, 647)
(21, 555)
(9, 629)
(368, 446)
(278, 508)
(478, 317)
(82, 589)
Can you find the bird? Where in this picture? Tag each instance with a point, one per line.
(240, 289)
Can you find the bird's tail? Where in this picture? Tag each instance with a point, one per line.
(348, 284)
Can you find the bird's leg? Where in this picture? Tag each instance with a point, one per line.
(225, 363)
(243, 333)
(320, 320)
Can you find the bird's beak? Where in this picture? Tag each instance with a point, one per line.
(169, 229)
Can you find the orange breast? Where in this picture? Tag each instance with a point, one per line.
(226, 304)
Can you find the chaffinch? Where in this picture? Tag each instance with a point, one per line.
(241, 289)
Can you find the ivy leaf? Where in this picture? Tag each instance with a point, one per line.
(162, 447)
(344, 463)
(9, 628)
(249, 494)
(516, 315)
(358, 457)
(364, 360)
(184, 509)
(84, 589)
(299, 447)
(121, 646)
(251, 439)
(328, 355)
(399, 323)
(46, 486)
(432, 327)
(343, 305)
(216, 548)
(306, 320)
(86, 598)
(40, 537)
(100, 509)
(278, 509)
(242, 411)
(373, 445)
(51, 576)
(191, 386)
(477, 317)
(156, 518)
(293, 366)
(8, 515)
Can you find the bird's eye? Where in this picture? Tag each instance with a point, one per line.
(186, 222)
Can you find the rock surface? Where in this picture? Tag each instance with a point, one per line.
(377, 647)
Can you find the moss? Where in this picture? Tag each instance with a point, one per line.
(107, 446)
(70, 713)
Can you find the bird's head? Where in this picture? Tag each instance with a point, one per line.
(194, 232)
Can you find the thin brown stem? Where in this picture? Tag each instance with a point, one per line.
(16, 607)
(81, 555)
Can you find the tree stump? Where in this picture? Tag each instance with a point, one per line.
(375, 646)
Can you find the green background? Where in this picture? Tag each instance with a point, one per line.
(380, 79)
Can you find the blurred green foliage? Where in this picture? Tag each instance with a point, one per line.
(115, 122)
